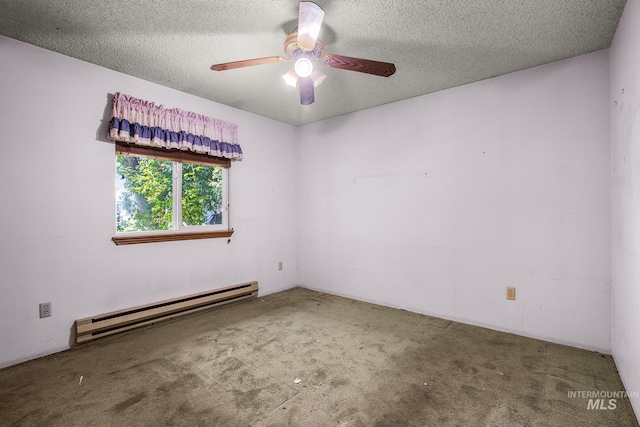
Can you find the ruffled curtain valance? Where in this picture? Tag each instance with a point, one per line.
(143, 123)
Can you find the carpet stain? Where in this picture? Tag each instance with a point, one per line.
(339, 382)
(129, 402)
(490, 366)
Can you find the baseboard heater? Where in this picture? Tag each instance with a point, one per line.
(118, 321)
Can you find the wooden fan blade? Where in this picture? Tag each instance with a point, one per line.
(248, 63)
(306, 90)
(377, 68)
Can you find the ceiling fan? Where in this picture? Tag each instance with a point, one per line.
(305, 46)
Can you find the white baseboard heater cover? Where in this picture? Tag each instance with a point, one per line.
(118, 321)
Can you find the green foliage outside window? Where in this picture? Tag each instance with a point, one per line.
(201, 194)
(145, 194)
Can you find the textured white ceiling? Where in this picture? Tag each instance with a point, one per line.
(435, 44)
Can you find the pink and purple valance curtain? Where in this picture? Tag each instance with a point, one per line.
(143, 123)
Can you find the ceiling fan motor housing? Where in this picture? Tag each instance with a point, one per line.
(293, 49)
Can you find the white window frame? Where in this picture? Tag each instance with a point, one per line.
(177, 202)
(178, 230)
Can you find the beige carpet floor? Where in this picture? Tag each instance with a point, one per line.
(302, 358)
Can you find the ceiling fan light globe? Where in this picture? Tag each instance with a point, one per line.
(318, 77)
(303, 67)
(291, 78)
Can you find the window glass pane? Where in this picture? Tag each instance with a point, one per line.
(201, 194)
(144, 196)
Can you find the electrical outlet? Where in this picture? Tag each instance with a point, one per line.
(280, 266)
(45, 309)
(511, 293)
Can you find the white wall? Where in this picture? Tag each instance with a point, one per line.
(58, 204)
(438, 203)
(434, 204)
(625, 198)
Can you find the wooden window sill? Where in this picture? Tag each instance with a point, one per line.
(132, 239)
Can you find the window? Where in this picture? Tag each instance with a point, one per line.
(169, 197)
